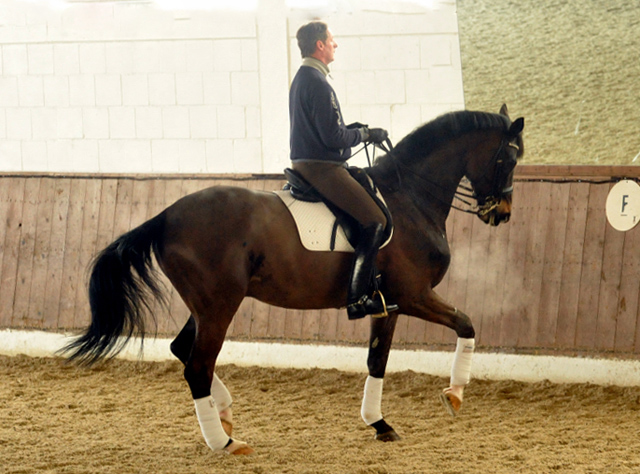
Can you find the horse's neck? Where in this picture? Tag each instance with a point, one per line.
(437, 180)
(446, 167)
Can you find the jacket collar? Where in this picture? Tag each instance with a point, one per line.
(316, 64)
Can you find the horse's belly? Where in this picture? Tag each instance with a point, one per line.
(296, 278)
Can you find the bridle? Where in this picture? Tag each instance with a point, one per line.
(499, 187)
(498, 191)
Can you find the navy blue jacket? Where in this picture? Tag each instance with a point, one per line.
(317, 130)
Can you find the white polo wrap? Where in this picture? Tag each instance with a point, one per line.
(372, 400)
(220, 394)
(461, 368)
(209, 420)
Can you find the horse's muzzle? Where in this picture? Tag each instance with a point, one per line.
(496, 212)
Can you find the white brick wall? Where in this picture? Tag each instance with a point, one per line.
(128, 87)
(3, 124)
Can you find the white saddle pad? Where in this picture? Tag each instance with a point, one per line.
(315, 224)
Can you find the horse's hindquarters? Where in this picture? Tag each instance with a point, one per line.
(235, 242)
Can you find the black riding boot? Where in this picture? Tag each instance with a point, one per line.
(359, 303)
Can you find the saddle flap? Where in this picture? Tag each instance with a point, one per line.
(317, 226)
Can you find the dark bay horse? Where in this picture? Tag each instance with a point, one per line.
(222, 244)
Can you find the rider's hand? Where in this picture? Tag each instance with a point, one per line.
(377, 135)
(354, 125)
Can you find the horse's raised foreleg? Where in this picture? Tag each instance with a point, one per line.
(181, 347)
(436, 310)
(451, 396)
(379, 346)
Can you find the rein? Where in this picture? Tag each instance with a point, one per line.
(491, 201)
(459, 195)
(386, 146)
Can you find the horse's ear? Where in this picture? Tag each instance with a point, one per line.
(516, 127)
(504, 110)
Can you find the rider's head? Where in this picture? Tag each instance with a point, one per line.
(315, 40)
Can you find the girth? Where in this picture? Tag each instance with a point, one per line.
(302, 190)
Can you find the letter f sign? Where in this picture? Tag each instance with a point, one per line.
(624, 202)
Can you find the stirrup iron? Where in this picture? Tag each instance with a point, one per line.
(364, 299)
(384, 313)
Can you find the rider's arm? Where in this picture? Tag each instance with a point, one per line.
(329, 121)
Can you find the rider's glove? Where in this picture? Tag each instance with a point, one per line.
(377, 135)
(354, 125)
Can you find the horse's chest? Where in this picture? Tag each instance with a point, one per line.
(441, 253)
(432, 249)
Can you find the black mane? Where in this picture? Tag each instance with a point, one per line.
(446, 127)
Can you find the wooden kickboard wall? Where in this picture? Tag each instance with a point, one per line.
(556, 279)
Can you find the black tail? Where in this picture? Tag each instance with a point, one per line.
(120, 298)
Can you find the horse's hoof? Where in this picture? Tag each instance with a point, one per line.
(451, 403)
(388, 436)
(227, 427)
(239, 447)
(244, 450)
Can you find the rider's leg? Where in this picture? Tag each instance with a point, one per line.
(335, 183)
(359, 302)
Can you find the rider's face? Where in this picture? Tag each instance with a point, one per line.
(326, 50)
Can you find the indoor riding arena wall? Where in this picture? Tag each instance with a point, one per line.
(110, 111)
(557, 279)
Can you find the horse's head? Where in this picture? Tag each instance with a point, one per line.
(491, 174)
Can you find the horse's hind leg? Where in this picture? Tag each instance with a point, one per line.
(379, 346)
(183, 343)
(212, 312)
(181, 347)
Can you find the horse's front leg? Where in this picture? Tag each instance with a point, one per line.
(379, 347)
(436, 310)
(451, 396)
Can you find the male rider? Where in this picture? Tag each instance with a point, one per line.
(320, 146)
